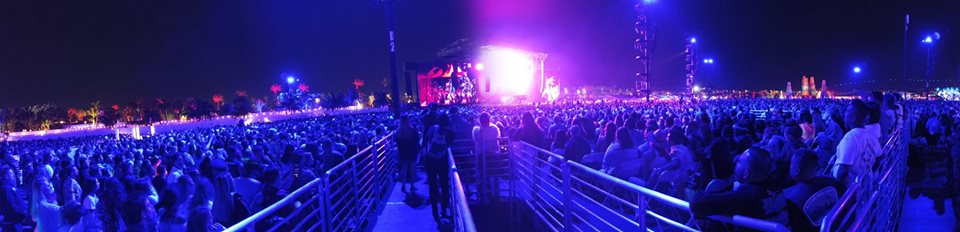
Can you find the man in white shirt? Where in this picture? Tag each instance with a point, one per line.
(485, 136)
(859, 148)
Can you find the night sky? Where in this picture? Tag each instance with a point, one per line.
(74, 52)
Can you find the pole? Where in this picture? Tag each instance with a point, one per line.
(395, 88)
(906, 27)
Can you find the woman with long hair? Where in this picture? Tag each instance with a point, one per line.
(44, 209)
(529, 131)
(622, 150)
(408, 145)
(223, 206)
(436, 163)
(88, 196)
(609, 135)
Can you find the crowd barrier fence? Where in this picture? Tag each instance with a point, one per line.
(341, 199)
(568, 196)
(873, 203)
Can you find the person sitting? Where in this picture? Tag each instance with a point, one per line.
(329, 158)
(577, 145)
(620, 151)
(744, 196)
(803, 169)
(12, 206)
(677, 171)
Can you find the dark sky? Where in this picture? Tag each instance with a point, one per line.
(75, 52)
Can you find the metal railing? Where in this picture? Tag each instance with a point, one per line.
(873, 203)
(462, 218)
(341, 199)
(569, 196)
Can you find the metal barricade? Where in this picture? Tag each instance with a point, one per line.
(569, 196)
(874, 202)
(462, 218)
(342, 199)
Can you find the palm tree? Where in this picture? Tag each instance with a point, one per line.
(303, 87)
(358, 83)
(275, 88)
(94, 112)
(161, 107)
(73, 115)
(241, 93)
(217, 100)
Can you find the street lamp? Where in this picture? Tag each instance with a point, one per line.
(291, 79)
(856, 69)
(931, 58)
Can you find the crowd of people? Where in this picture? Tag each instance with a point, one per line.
(762, 158)
(201, 179)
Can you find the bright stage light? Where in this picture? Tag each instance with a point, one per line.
(856, 69)
(928, 39)
(512, 71)
(693, 40)
(291, 79)
(696, 88)
(479, 67)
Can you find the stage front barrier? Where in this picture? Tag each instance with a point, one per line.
(873, 203)
(569, 196)
(342, 199)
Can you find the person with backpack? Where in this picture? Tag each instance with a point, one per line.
(436, 162)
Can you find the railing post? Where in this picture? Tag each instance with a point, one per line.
(375, 165)
(567, 197)
(325, 203)
(642, 212)
(355, 189)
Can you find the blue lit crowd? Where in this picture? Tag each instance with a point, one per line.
(194, 180)
(760, 158)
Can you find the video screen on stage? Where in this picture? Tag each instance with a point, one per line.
(448, 84)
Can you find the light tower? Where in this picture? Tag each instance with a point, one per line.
(644, 31)
(691, 64)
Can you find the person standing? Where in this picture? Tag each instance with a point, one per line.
(408, 146)
(436, 162)
(859, 148)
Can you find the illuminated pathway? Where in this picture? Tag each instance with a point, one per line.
(404, 212)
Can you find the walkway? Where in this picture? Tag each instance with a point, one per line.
(406, 212)
(919, 212)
